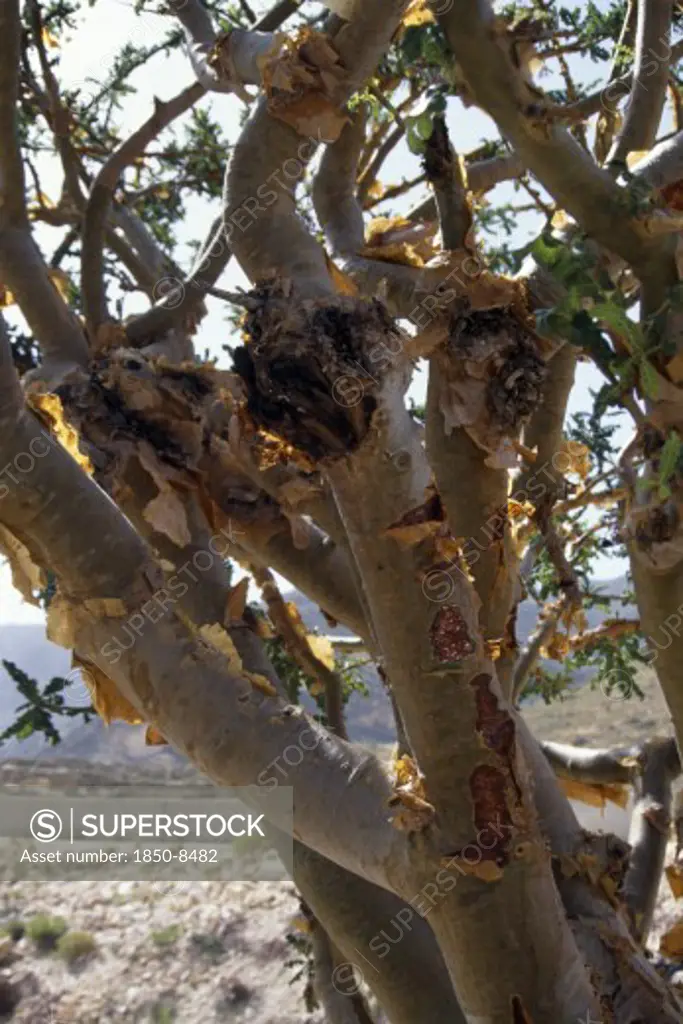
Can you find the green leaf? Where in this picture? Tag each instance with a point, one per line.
(26, 730)
(424, 125)
(668, 458)
(411, 44)
(615, 317)
(56, 685)
(418, 130)
(546, 250)
(649, 379)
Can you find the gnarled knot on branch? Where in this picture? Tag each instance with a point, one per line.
(313, 368)
(493, 369)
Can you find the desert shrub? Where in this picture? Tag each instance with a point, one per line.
(15, 929)
(74, 946)
(46, 930)
(166, 936)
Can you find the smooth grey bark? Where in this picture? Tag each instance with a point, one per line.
(441, 721)
(388, 942)
(229, 729)
(22, 268)
(355, 914)
(650, 78)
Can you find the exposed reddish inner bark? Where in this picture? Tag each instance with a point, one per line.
(496, 793)
(489, 788)
(494, 724)
(449, 634)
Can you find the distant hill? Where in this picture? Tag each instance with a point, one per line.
(369, 719)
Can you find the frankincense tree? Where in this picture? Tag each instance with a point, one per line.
(136, 470)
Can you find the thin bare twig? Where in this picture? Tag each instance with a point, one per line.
(369, 177)
(101, 195)
(531, 653)
(298, 646)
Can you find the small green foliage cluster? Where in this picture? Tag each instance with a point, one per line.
(165, 938)
(51, 934)
(297, 682)
(40, 706)
(300, 962)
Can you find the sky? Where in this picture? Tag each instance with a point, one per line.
(102, 31)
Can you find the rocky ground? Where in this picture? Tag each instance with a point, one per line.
(209, 952)
(212, 952)
(590, 717)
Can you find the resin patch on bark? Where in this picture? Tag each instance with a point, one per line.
(129, 406)
(450, 635)
(515, 390)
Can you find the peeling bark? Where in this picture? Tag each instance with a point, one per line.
(430, 657)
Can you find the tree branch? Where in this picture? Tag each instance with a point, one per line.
(482, 176)
(234, 734)
(102, 193)
(648, 93)
(529, 657)
(561, 165)
(277, 237)
(351, 909)
(138, 251)
(607, 122)
(370, 175)
(608, 630)
(301, 651)
(339, 1007)
(404, 288)
(315, 564)
(649, 831)
(445, 175)
(22, 268)
(221, 63)
(651, 769)
(594, 767)
(545, 430)
(441, 728)
(410, 979)
(663, 165)
(184, 297)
